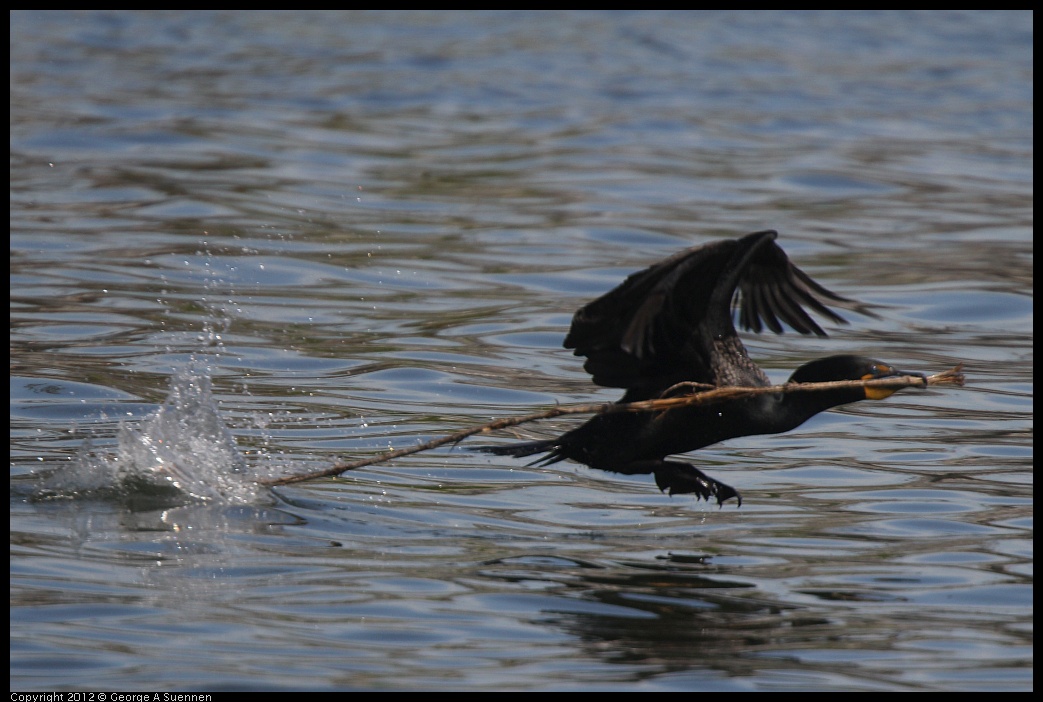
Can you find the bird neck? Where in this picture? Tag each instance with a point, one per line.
(795, 408)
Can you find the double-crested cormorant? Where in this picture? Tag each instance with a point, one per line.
(672, 323)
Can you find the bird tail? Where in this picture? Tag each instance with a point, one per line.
(525, 448)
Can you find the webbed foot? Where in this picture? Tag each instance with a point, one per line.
(680, 478)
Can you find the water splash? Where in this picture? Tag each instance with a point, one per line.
(181, 452)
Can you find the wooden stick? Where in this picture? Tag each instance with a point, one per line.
(950, 377)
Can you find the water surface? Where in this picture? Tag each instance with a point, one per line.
(369, 229)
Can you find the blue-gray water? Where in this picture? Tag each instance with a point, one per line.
(372, 228)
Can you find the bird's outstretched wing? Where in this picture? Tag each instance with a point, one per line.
(667, 323)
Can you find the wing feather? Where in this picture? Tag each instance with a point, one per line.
(667, 323)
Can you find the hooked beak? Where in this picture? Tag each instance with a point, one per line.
(895, 373)
(884, 371)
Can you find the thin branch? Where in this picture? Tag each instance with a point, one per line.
(950, 377)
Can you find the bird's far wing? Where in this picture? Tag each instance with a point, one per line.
(658, 326)
(771, 289)
(635, 334)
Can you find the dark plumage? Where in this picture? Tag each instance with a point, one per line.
(672, 323)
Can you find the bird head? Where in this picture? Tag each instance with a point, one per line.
(849, 367)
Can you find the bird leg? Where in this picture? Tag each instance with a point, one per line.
(678, 478)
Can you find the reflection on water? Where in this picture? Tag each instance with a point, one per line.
(393, 216)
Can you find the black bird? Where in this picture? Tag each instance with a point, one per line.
(671, 324)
